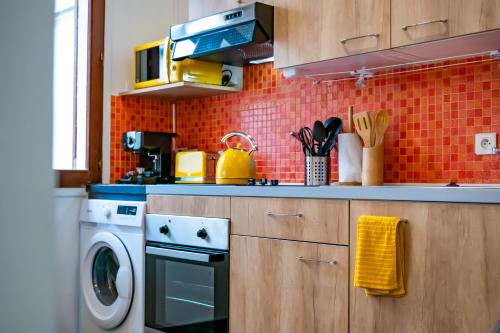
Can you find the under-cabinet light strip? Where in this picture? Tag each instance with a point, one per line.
(314, 77)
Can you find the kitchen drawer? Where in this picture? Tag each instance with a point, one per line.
(322, 221)
(280, 286)
(189, 205)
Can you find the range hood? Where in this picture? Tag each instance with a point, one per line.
(234, 37)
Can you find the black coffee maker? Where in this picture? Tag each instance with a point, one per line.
(156, 153)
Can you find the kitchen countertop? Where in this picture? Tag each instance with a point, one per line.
(419, 192)
(431, 193)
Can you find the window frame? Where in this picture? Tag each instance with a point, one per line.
(79, 178)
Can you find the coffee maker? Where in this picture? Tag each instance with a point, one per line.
(155, 151)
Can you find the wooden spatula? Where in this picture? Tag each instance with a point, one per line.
(363, 125)
(350, 122)
(380, 124)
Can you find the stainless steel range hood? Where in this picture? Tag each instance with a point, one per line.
(234, 37)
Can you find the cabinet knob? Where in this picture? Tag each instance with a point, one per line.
(444, 21)
(202, 233)
(329, 262)
(164, 229)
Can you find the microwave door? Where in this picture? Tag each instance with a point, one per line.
(185, 289)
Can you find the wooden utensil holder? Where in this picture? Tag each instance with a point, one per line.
(372, 173)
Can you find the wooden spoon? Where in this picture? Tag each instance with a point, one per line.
(350, 122)
(381, 122)
(363, 125)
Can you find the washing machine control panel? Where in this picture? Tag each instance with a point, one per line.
(126, 210)
(113, 212)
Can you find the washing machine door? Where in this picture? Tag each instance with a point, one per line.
(107, 280)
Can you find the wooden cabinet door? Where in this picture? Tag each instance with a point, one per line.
(201, 8)
(468, 16)
(312, 220)
(308, 31)
(272, 290)
(453, 275)
(426, 20)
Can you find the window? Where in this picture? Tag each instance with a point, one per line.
(70, 83)
(77, 116)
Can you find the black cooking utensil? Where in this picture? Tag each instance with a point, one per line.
(305, 135)
(329, 124)
(319, 135)
(336, 127)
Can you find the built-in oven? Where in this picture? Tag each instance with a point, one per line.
(187, 274)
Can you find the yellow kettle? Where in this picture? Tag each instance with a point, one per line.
(235, 165)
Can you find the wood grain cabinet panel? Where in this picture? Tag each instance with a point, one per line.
(426, 20)
(453, 278)
(322, 221)
(189, 205)
(308, 31)
(271, 290)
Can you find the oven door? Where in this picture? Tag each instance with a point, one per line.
(186, 289)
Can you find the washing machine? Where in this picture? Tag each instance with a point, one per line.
(112, 266)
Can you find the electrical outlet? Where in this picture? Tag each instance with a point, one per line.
(486, 143)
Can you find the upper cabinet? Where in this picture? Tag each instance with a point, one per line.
(312, 37)
(306, 32)
(425, 20)
(201, 8)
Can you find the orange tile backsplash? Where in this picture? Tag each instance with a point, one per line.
(436, 110)
(134, 114)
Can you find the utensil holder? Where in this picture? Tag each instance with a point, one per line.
(317, 170)
(373, 166)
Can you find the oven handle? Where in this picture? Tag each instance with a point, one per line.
(186, 255)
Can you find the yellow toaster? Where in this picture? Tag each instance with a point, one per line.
(195, 167)
(195, 71)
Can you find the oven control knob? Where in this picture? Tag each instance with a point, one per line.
(164, 229)
(108, 214)
(202, 233)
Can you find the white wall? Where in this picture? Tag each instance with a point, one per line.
(130, 23)
(27, 290)
(66, 215)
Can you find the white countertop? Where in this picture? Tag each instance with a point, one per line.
(397, 192)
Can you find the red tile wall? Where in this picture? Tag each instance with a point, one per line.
(435, 109)
(134, 114)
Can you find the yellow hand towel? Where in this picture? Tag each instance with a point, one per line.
(380, 256)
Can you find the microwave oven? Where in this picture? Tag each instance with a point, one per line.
(153, 67)
(151, 64)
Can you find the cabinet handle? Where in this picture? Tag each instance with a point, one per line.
(284, 214)
(343, 41)
(332, 262)
(424, 23)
